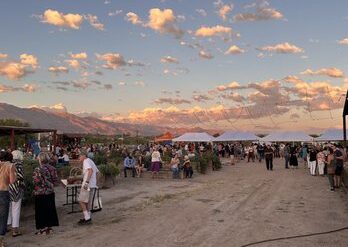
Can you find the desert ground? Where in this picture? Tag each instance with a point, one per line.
(235, 206)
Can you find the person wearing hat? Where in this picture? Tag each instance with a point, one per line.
(187, 167)
(269, 157)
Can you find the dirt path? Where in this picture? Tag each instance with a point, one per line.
(233, 207)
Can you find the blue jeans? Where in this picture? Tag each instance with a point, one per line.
(4, 207)
(175, 172)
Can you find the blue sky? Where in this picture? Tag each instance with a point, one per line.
(272, 40)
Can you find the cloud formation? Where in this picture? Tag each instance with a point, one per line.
(213, 31)
(27, 88)
(16, 70)
(205, 54)
(164, 21)
(58, 69)
(235, 50)
(169, 59)
(282, 48)
(112, 60)
(171, 101)
(94, 22)
(59, 19)
(331, 72)
(262, 13)
(343, 41)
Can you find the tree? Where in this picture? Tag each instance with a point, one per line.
(13, 122)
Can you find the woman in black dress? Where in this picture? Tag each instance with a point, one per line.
(293, 157)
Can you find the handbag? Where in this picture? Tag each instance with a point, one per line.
(96, 202)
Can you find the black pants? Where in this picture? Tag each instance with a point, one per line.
(45, 211)
(269, 163)
(129, 168)
(188, 172)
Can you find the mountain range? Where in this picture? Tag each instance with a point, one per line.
(69, 123)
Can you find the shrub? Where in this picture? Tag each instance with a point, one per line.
(28, 167)
(109, 170)
(100, 158)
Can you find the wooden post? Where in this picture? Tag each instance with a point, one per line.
(12, 139)
(54, 141)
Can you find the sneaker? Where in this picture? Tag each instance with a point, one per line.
(85, 222)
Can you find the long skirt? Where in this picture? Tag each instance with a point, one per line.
(45, 211)
(293, 160)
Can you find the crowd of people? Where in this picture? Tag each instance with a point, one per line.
(320, 160)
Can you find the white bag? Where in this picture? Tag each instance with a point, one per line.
(96, 202)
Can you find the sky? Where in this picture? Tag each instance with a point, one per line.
(232, 65)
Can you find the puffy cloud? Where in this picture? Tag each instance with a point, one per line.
(16, 70)
(169, 59)
(12, 70)
(115, 61)
(223, 9)
(27, 59)
(202, 12)
(56, 18)
(82, 55)
(94, 22)
(134, 18)
(58, 69)
(205, 55)
(73, 63)
(57, 108)
(282, 48)
(331, 72)
(164, 21)
(172, 101)
(3, 56)
(343, 41)
(112, 60)
(213, 31)
(234, 50)
(231, 86)
(28, 88)
(262, 13)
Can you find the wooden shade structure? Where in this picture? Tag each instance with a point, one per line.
(12, 131)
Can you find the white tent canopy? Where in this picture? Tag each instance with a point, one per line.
(194, 137)
(236, 136)
(331, 135)
(287, 136)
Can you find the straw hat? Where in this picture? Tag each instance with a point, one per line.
(186, 157)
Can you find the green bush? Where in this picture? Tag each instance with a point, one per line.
(203, 164)
(100, 158)
(28, 167)
(109, 170)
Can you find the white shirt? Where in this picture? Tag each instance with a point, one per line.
(156, 156)
(66, 158)
(89, 164)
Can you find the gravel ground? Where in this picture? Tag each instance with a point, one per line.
(236, 206)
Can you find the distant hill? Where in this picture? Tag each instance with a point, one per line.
(69, 123)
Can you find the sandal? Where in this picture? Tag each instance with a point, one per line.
(41, 232)
(49, 231)
(16, 234)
